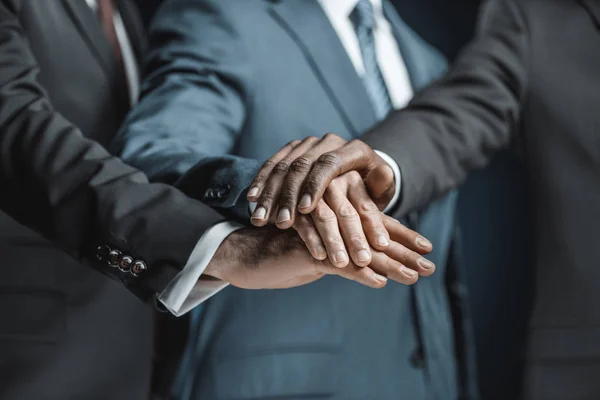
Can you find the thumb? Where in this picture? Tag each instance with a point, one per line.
(380, 183)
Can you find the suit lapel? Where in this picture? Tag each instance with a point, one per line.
(593, 7)
(87, 23)
(310, 28)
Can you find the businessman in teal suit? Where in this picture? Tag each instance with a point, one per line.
(228, 83)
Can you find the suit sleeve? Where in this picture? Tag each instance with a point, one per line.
(458, 123)
(74, 193)
(192, 107)
(193, 95)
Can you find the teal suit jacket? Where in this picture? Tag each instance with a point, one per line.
(229, 82)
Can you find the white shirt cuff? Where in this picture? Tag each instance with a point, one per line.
(186, 291)
(397, 177)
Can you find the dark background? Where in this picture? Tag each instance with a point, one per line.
(497, 258)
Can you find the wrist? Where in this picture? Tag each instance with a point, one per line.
(226, 257)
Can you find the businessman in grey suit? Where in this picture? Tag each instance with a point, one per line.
(523, 80)
(230, 82)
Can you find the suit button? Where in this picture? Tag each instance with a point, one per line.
(125, 263)
(102, 252)
(114, 256)
(223, 192)
(137, 268)
(417, 359)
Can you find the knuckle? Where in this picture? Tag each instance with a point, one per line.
(353, 178)
(281, 167)
(287, 196)
(312, 186)
(368, 207)
(329, 160)
(347, 211)
(313, 238)
(333, 241)
(300, 164)
(267, 196)
(359, 145)
(310, 139)
(293, 143)
(406, 254)
(357, 240)
(330, 136)
(334, 138)
(259, 180)
(324, 215)
(267, 165)
(335, 185)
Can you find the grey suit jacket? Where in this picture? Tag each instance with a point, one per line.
(242, 78)
(525, 78)
(66, 331)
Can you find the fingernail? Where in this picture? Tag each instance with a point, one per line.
(382, 240)
(305, 201)
(380, 278)
(424, 243)
(260, 213)
(253, 192)
(426, 264)
(283, 216)
(408, 271)
(321, 253)
(340, 257)
(363, 255)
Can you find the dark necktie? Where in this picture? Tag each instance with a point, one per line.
(106, 12)
(363, 18)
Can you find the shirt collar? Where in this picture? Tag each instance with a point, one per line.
(93, 4)
(343, 8)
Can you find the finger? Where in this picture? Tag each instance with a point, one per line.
(384, 265)
(363, 275)
(310, 235)
(406, 237)
(269, 194)
(370, 216)
(381, 185)
(410, 259)
(299, 170)
(355, 155)
(348, 220)
(327, 224)
(267, 167)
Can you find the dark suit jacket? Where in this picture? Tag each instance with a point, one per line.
(65, 330)
(530, 76)
(230, 82)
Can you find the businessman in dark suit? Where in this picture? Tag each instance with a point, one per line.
(521, 80)
(229, 82)
(66, 331)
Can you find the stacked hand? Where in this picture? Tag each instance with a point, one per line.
(331, 192)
